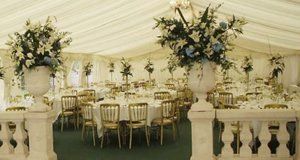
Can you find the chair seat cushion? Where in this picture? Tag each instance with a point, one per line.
(137, 124)
(90, 123)
(110, 125)
(68, 113)
(164, 121)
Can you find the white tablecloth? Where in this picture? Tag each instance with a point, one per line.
(153, 110)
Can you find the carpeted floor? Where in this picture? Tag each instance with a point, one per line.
(68, 146)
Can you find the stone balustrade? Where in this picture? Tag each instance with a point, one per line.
(26, 135)
(237, 125)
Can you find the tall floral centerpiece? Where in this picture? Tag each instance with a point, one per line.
(199, 44)
(36, 54)
(149, 68)
(247, 66)
(87, 69)
(126, 71)
(277, 64)
(111, 67)
(172, 65)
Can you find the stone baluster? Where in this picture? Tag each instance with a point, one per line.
(5, 137)
(264, 137)
(246, 138)
(20, 135)
(283, 138)
(227, 138)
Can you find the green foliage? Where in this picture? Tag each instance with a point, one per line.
(111, 66)
(126, 68)
(247, 64)
(87, 69)
(278, 66)
(149, 66)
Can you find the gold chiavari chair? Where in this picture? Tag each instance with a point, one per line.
(170, 86)
(130, 95)
(74, 92)
(259, 80)
(143, 85)
(81, 99)
(211, 98)
(254, 95)
(13, 109)
(167, 118)
(274, 125)
(48, 102)
(225, 98)
(110, 116)
(135, 84)
(115, 90)
(138, 115)
(12, 125)
(88, 120)
(110, 85)
(162, 95)
(69, 109)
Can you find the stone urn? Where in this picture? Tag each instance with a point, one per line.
(37, 83)
(200, 81)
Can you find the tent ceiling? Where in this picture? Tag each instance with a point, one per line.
(124, 27)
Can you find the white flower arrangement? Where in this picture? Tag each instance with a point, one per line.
(39, 45)
(202, 39)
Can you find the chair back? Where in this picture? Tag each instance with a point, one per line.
(68, 102)
(110, 85)
(90, 92)
(275, 106)
(109, 113)
(211, 97)
(13, 109)
(87, 111)
(170, 86)
(162, 95)
(138, 112)
(168, 109)
(226, 97)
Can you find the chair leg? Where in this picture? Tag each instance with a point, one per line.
(119, 137)
(161, 134)
(75, 122)
(130, 138)
(177, 130)
(174, 131)
(62, 124)
(147, 135)
(82, 133)
(93, 130)
(102, 138)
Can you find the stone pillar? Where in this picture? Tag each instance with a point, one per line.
(40, 135)
(297, 153)
(202, 130)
